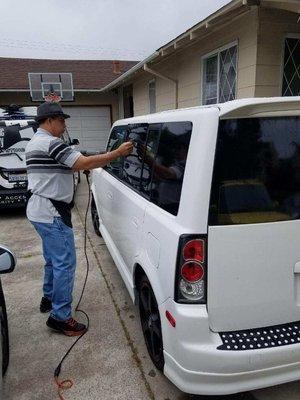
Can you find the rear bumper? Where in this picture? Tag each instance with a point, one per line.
(13, 198)
(195, 382)
(195, 365)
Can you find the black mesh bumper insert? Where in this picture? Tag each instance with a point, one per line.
(261, 338)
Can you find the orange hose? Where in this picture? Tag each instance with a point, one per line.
(63, 385)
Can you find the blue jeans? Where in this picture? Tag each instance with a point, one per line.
(60, 257)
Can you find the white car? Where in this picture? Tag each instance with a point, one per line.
(199, 223)
(7, 264)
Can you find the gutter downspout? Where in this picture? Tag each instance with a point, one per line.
(166, 78)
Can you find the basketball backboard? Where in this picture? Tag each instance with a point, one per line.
(45, 84)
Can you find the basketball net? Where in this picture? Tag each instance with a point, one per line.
(52, 97)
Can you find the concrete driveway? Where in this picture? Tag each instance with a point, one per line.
(110, 361)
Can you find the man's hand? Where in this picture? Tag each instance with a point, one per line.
(125, 149)
(90, 162)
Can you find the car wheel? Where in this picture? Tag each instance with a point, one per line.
(150, 321)
(4, 332)
(95, 217)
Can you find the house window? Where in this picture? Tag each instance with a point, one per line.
(152, 97)
(291, 68)
(220, 76)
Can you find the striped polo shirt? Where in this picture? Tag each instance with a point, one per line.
(49, 167)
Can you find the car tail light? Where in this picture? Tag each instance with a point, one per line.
(194, 250)
(191, 272)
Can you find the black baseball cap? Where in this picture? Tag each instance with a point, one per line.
(49, 110)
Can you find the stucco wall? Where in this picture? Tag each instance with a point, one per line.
(186, 67)
(274, 26)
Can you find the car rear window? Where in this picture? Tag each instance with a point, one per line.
(256, 175)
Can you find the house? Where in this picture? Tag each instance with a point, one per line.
(248, 48)
(77, 82)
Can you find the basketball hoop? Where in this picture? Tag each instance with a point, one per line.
(51, 87)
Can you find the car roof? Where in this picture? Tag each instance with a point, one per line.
(241, 108)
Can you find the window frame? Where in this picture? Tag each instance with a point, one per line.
(286, 36)
(217, 52)
(107, 150)
(139, 192)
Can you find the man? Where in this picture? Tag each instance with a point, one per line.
(50, 165)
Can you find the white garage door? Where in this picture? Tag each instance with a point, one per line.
(90, 125)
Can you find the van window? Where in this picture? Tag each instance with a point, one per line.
(256, 175)
(117, 137)
(12, 135)
(133, 163)
(169, 165)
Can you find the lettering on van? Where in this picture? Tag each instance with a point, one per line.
(1, 138)
(15, 150)
(12, 199)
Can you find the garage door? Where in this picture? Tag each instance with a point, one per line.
(90, 125)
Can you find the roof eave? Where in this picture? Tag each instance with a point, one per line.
(176, 43)
(130, 72)
(196, 31)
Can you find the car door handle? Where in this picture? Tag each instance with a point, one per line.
(297, 268)
(109, 195)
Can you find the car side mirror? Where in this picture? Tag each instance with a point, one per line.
(7, 260)
(74, 142)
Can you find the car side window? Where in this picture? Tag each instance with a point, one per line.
(117, 137)
(169, 165)
(133, 163)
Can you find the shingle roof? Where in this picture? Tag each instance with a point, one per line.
(92, 74)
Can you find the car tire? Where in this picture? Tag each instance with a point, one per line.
(4, 332)
(150, 322)
(95, 217)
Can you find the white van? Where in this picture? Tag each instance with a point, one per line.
(203, 223)
(17, 127)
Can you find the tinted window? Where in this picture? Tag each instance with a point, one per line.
(257, 171)
(169, 165)
(117, 137)
(133, 163)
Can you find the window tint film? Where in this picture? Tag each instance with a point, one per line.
(117, 137)
(169, 165)
(257, 171)
(149, 153)
(133, 163)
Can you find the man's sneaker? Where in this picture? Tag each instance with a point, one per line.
(46, 305)
(69, 328)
